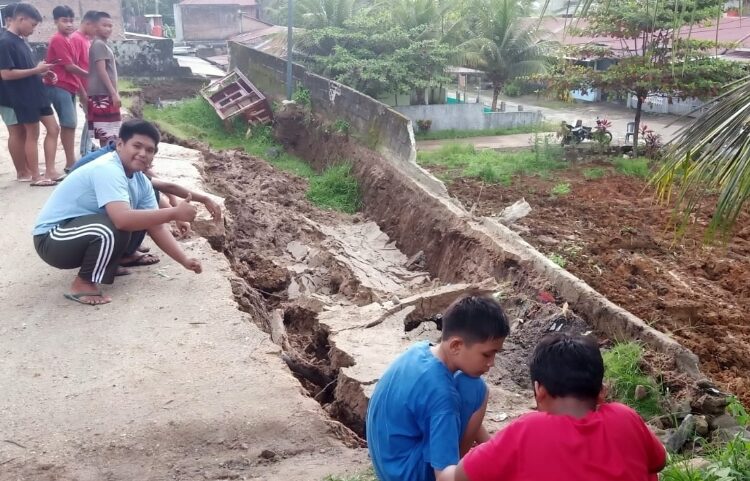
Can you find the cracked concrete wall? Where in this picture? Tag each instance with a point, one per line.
(138, 58)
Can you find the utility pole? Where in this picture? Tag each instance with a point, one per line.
(289, 45)
(156, 7)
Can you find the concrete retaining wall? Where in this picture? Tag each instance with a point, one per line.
(372, 123)
(468, 117)
(138, 58)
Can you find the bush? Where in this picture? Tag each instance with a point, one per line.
(594, 173)
(512, 89)
(424, 125)
(302, 97)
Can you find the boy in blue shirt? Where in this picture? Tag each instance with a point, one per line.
(88, 220)
(427, 409)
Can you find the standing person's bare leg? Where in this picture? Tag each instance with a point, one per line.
(68, 141)
(31, 150)
(50, 145)
(16, 140)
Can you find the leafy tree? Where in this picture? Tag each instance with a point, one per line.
(375, 56)
(657, 60)
(504, 44)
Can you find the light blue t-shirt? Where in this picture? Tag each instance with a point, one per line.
(87, 189)
(417, 414)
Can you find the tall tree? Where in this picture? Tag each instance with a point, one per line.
(657, 54)
(504, 45)
(375, 56)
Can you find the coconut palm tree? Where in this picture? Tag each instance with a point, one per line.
(711, 156)
(327, 13)
(505, 45)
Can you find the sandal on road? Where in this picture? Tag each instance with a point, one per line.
(43, 183)
(144, 260)
(77, 298)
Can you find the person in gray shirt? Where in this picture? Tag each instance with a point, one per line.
(104, 103)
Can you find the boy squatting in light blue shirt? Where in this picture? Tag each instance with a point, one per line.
(88, 220)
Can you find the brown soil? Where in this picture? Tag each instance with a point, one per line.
(613, 235)
(174, 89)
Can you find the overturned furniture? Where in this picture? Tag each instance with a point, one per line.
(235, 95)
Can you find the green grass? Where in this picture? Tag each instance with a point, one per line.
(594, 173)
(491, 166)
(195, 119)
(563, 188)
(623, 373)
(557, 259)
(637, 167)
(463, 134)
(368, 475)
(728, 462)
(335, 189)
(126, 86)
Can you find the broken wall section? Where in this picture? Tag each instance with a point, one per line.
(414, 208)
(373, 123)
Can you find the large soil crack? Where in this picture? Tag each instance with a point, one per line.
(343, 301)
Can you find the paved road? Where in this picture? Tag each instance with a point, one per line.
(666, 125)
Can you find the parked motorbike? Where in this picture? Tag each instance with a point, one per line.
(575, 134)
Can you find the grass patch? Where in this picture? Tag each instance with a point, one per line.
(491, 166)
(557, 259)
(563, 188)
(594, 173)
(335, 189)
(464, 134)
(127, 86)
(195, 119)
(368, 475)
(623, 373)
(637, 167)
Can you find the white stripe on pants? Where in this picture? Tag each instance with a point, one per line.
(105, 251)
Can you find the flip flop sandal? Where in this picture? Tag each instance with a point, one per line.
(43, 183)
(144, 260)
(77, 298)
(61, 178)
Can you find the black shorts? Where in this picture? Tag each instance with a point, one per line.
(32, 116)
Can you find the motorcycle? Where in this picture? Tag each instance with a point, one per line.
(575, 134)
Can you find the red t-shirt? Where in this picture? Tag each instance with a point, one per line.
(61, 50)
(609, 444)
(81, 44)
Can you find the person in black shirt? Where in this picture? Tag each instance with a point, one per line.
(22, 83)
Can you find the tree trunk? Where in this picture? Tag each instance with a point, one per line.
(495, 93)
(638, 109)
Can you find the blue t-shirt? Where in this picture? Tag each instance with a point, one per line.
(88, 189)
(91, 156)
(414, 419)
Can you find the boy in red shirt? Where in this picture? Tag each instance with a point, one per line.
(81, 42)
(573, 436)
(63, 86)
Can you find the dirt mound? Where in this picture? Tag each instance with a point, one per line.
(612, 234)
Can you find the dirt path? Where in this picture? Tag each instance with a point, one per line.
(169, 382)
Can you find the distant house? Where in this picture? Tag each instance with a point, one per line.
(47, 28)
(213, 20)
